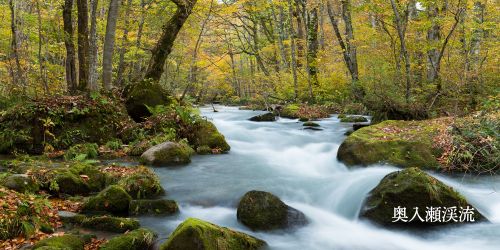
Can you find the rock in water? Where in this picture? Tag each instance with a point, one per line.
(168, 153)
(411, 188)
(267, 117)
(195, 234)
(260, 210)
(310, 124)
(353, 118)
(139, 239)
(153, 207)
(114, 199)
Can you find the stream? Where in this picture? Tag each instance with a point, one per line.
(301, 168)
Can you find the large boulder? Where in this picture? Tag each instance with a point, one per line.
(21, 183)
(204, 134)
(410, 189)
(68, 241)
(260, 210)
(114, 199)
(153, 207)
(195, 234)
(66, 182)
(400, 143)
(142, 184)
(168, 153)
(144, 94)
(267, 117)
(139, 239)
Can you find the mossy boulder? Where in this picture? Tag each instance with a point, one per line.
(412, 188)
(260, 210)
(96, 180)
(142, 184)
(139, 239)
(204, 134)
(67, 182)
(168, 153)
(400, 143)
(195, 234)
(353, 118)
(138, 148)
(153, 207)
(65, 242)
(267, 117)
(310, 124)
(108, 223)
(204, 150)
(21, 183)
(141, 95)
(69, 119)
(114, 199)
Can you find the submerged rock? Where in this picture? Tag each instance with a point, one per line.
(114, 199)
(20, 183)
(267, 117)
(153, 207)
(353, 118)
(195, 234)
(310, 124)
(108, 223)
(400, 143)
(412, 188)
(168, 153)
(139, 239)
(260, 210)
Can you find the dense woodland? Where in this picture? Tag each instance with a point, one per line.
(416, 58)
(97, 94)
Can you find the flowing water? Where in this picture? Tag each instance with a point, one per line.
(301, 168)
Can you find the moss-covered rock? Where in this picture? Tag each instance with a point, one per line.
(96, 180)
(353, 118)
(139, 239)
(260, 210)
(114, 199)
(144, 94)
(108, 223)
(168, 153)
(204, 150)
(20, 182)
(310, 124)
(412, 188)
(139, 147)
(204, 133)
(66, 242)
(67, 182)
(69, 119)
(142, 184)
(195, 234)
(401, 143)
(267, 117)
(153, 207)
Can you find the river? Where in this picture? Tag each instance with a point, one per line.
(301, 168)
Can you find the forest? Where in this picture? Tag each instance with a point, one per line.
(249, 124)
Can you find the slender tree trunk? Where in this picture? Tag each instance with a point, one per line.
(349, 37)
(313, 44)
(93, 76)
(401, 28)
(300, 16)
(109, 44)
(433, 38)
(70, 47)
(124, 45)
(280, 36)
(18, 76)
(41, 60)
(293, 51)
(138, 42)
(164, 45)
(83, 45)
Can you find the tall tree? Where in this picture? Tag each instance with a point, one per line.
(312, 50)
(83, 45)
(109, 44)
(71, 80)
(293, 51)
(124, 45)
(401, 22)
(17, 77)
(93, 76)
(164, 45)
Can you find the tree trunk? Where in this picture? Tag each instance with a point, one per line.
(349, 37)
(123, 48)
(138, 42)
(93, 76)
(83, 45)
(293, 51)
(109, 45)
(164, 45)
(401, 28)
(18, 76)
(70, 47)
(433, 38)
(312, 49)
(41, 60)
(300, 16)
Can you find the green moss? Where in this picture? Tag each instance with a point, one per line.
(168, 153)
(204, 133)
(290, 111)
(66, 182)
(204, 150)
(353, 119)
(142, 95)
(195, 234)
(260, 210)
(139, 239)
(114, 199)
(20, 183)
(114, 144)
(143, 183)
(82, 152)
(267, 117)
(410, 188)
(61, 242)
(153, 207)
(97, 180)
(401, 143)
(108, 223)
